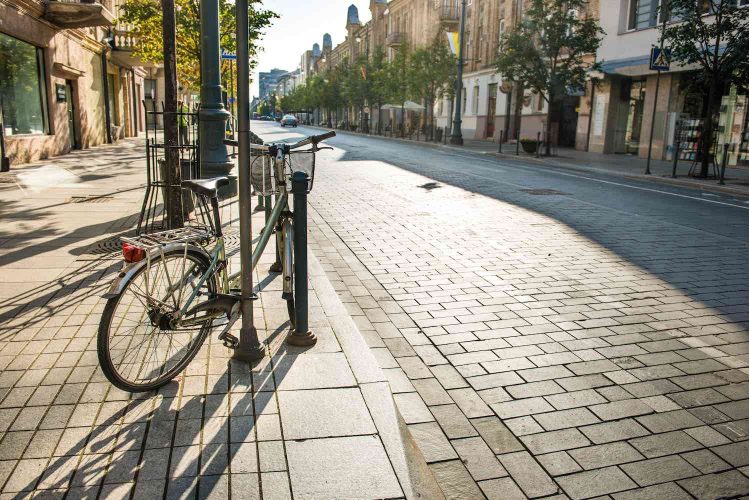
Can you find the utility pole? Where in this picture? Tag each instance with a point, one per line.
(214, 158)
(457, 135)
(655, 100)
(249, 347)
(173, 201)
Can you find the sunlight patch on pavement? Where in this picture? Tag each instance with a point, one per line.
(48, 176)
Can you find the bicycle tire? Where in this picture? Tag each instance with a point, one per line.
(104, 345)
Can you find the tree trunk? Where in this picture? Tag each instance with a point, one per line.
(707, 134)
(173, 201)
(548, 127)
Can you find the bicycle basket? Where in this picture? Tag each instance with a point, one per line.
(303, 161)
(262, 175)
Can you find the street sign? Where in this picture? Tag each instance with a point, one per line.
(660, 59)
(225, 54)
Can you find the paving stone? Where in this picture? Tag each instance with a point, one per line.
(335, 468)
(432, 442)
(431, 392)
(604, 455)
(478, 459)
(545, 373)
(528, 474)
(566, 418)
(470, 403)
(534, 389)
(665, 444)
(501, 489)
(547, 442)
(594, 483)
(412, 408)
(313, 371)
(669, 421)
(620, 409)
(737, 454)
(454, 480)
(494, 380)
(497, 436)
(521, 407)
(575, 399)
(614, 431)
(707, 436)
(723, 485)
(272, 456)
(705, 461)
(558, 463)
(324, 413)
(448, 377)
(656, 492)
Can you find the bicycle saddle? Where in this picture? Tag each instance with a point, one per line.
(206, 187)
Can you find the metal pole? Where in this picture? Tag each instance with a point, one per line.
(677, 144)
(214, 157)
(302, 336)
(501, 140)
(173, 191)
(249, 347)
(457, 135)
(590, 111)
(517, 146)
(723, 165)
(652, 122)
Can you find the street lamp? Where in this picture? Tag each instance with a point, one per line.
(457, 136)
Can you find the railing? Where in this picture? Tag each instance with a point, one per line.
(395, 38)
(124, 38)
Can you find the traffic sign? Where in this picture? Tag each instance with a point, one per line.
(225, 54)
(660, 59)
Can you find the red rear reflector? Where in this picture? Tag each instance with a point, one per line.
(131, 253)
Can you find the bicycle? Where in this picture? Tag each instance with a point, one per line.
(175, 284)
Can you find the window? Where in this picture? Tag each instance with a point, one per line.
(502, 28)
(476, 100)
(465, 100)
(22, 89)
(642, 14)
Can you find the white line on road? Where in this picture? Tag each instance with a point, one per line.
(609, 182)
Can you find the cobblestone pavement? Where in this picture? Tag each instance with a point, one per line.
(304, 423)
(545, 334)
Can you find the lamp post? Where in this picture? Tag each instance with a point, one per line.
(457, 136)
(361, 110)
(214, 158)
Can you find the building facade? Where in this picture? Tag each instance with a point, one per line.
(66, 78)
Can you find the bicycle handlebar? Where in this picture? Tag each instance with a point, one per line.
(313, 139)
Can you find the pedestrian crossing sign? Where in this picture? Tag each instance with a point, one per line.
(660, 59)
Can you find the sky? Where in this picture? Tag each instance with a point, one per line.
(301, 24)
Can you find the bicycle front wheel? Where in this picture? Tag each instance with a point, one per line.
(141, 345)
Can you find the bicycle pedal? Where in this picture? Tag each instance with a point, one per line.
(229, 340)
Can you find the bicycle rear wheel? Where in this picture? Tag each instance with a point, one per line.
(140, 346)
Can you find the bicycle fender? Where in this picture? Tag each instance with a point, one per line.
(127, 272)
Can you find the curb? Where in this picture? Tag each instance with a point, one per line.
(533, 161)
(413, 473)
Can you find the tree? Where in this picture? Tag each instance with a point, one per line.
(396, 78)
(378, 85)
(549, 50)
(714, 36)
(431, 74)
(144, 17)
(355, 85)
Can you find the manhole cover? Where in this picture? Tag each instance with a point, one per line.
(544, 192)
(90, 199)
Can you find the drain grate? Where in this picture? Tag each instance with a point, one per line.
(106, 247)
(90, 199)
(544, 192)
(7, 179)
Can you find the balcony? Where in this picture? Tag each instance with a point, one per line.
(395, 39)
(449, 15)
(79, 13)
(123, 38)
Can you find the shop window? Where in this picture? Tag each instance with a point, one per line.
(22, 90)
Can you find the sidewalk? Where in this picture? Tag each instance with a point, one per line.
(308, 423)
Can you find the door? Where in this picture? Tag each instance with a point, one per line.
(71, 114)
(491, 111)
(634, 116)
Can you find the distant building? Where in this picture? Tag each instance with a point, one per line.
(268, 81)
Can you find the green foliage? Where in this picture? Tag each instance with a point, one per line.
(547, 50)
(431, 73)
(145, 19)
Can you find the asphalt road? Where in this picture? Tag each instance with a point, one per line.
(720, 214)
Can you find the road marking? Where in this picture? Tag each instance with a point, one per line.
(548, 170)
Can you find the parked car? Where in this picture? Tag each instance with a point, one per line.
(289, 120)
